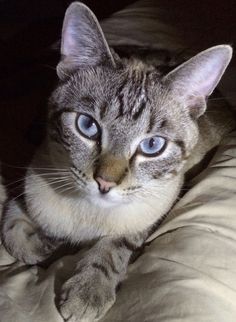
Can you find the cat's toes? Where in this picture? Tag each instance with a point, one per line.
(84, 300)
(37, 250)
(25, 244)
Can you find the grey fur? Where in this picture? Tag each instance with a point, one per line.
(130, 99)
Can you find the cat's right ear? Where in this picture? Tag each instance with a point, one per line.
(83, 43)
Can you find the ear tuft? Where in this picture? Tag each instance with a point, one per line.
(83, 43)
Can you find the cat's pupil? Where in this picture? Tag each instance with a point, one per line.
(88, 123)
(151, 142)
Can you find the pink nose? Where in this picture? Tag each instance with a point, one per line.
(104, 186)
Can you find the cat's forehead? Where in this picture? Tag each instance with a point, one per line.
(127, 91)
(128, 99)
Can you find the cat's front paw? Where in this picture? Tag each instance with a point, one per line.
(24, 243)
(21, 237)
(86, 298)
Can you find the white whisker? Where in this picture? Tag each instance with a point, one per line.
(40, 186)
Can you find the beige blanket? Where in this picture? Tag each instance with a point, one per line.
(187, 273)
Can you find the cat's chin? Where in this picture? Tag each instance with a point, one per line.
(108, 200)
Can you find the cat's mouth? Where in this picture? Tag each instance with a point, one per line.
(107, 200)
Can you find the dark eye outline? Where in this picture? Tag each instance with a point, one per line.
(94, 137)
(152, 155)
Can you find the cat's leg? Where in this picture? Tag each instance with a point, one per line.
(91, 291)
(20, 236)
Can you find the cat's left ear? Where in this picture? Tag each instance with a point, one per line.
(83, 43)
(196, 79)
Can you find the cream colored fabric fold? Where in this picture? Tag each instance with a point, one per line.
(187, 273)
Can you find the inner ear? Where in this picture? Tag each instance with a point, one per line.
(83, 43)
(196, 79)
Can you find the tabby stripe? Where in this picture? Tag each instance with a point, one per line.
(76, 175)
(111, 263)
(143, 90)
(102, 268)
(181, 144)
(103, 110)
(88, 101)
(121, 105)
(65, 144)
(134, 91)
(58, 139)
(140, 110)
(61, 135)
(125, 243)
(163, 124)
(157, 175)
(151, 123)
(120, 96)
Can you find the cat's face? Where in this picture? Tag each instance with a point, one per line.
(124, 131)
(123, 126)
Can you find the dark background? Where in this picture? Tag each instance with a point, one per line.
(28, 28)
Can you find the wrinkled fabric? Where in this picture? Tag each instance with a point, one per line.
(187, 272)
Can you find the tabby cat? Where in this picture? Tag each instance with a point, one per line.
(121, 135)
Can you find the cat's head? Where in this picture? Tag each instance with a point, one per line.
(122, 129)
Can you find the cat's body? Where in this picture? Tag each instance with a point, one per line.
(121, 136)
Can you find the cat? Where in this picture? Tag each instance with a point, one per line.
(121, 135)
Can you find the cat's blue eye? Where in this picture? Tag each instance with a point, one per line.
(88, 127)
(152, 146)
